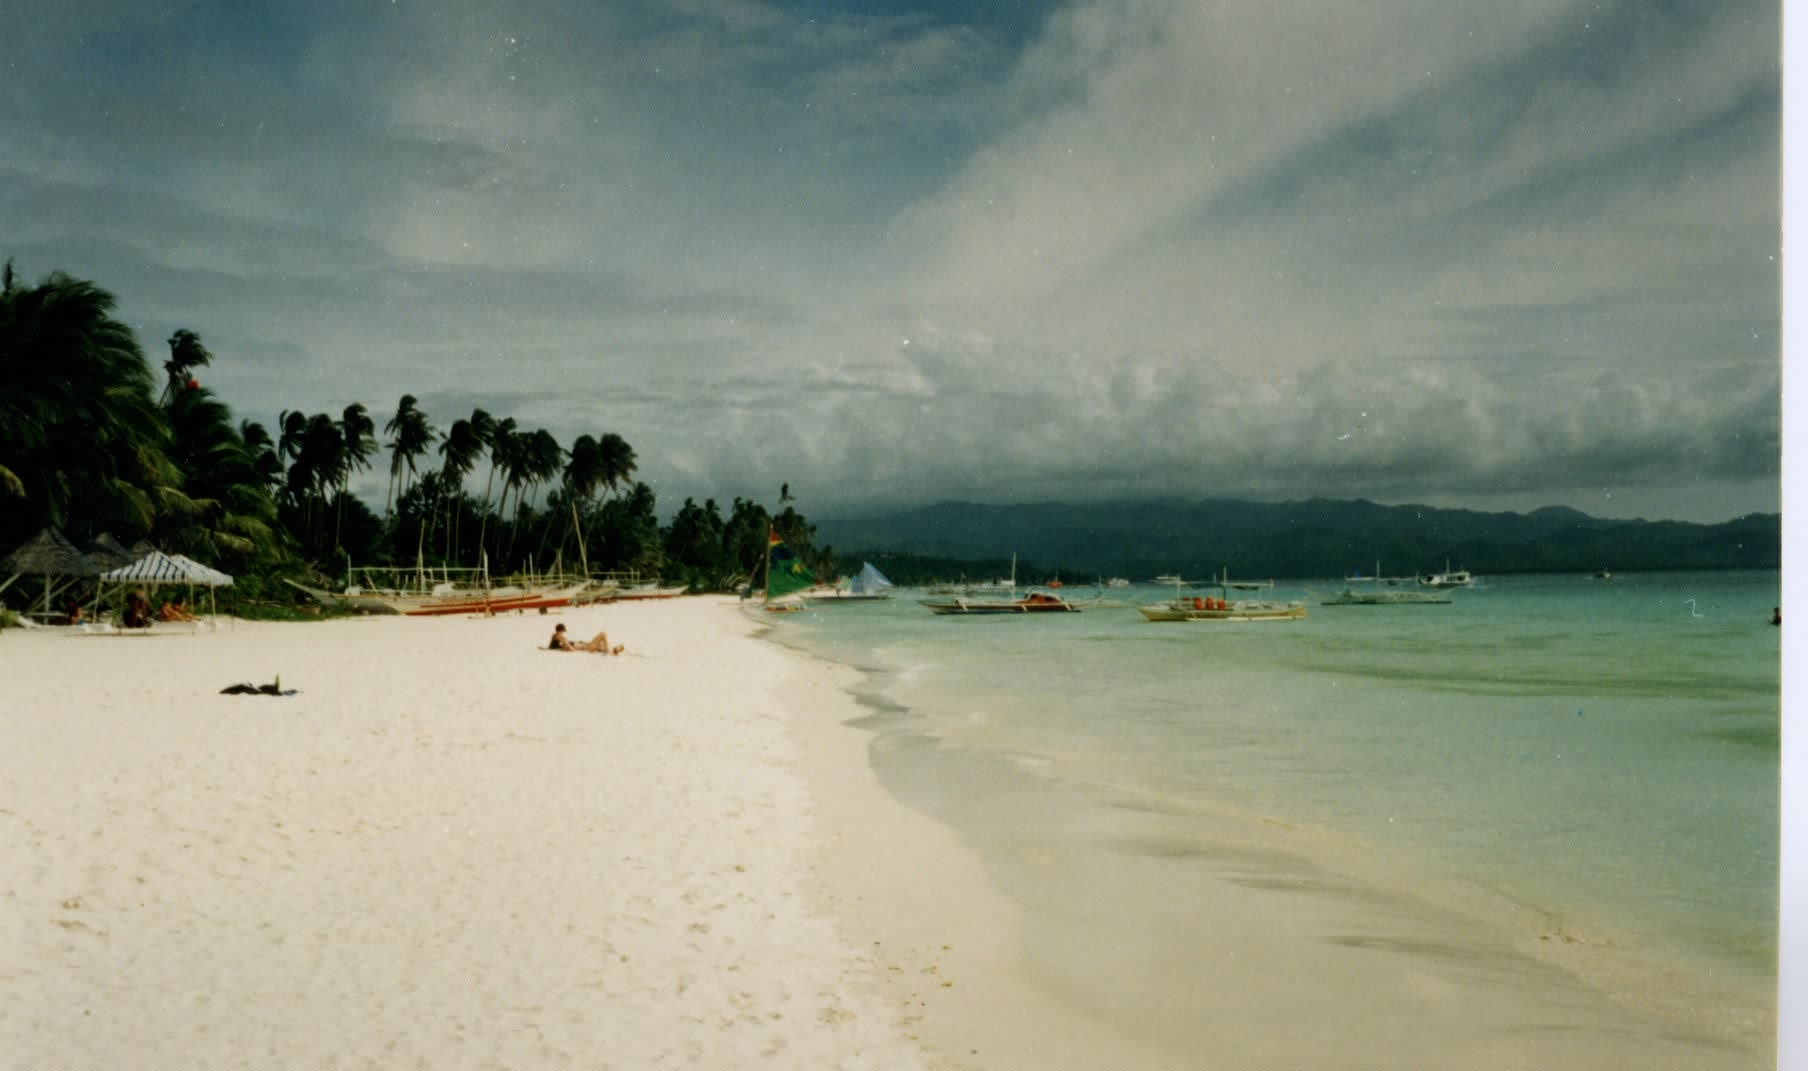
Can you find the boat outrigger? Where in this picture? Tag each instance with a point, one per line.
(443, 591)
(1221, 607)
(1035, 602)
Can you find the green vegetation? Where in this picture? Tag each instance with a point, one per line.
(91, 444)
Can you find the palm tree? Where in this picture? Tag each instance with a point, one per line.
(360, 434)
(617, 460)
(228, 510)
(264, 455)
(81, 438)
(460, 449)
(321, 462)
(496, 435)
(543, 459)
(186, 354)
(583, 476)
(413, 436)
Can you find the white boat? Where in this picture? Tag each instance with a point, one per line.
(1221, 607)
(1379, 595)
(1117, 582)
(446, 599)
(1449, 578)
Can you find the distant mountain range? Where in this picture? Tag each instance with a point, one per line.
(1316, 538)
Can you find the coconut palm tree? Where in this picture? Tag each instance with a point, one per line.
(229, 513)
(81, 438)
(496, 435)
(412, 437)
(186, 355)
(617, 461)
(360, 434)
(542, 462)
(321, 463)
(264, 455)
(460, 449)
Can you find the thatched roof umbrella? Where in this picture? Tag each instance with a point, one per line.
(106, 553)
(52, 557)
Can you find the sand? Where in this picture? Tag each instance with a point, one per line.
(451, 848)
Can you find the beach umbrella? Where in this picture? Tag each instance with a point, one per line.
(106, 553)
(51, 556)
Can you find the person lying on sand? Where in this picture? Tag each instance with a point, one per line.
(174, 611)
(598, 643)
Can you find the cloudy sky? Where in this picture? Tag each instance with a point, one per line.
(892, 251)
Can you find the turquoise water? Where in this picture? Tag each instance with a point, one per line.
(1602, 755)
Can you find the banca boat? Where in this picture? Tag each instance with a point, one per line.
(1379, 595)
(1221, 607)
(1036, 602)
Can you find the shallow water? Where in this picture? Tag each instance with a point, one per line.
(1590, 761)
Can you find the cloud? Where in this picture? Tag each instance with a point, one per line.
(915, 250)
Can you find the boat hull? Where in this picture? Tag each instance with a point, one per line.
(495, 604)
(1385, 598)
(1034, 604)
(1204, 610)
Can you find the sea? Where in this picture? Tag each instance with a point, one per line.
(1591, 762)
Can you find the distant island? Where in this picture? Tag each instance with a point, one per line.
(1315, 538)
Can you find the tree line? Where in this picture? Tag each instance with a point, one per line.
(91, 442)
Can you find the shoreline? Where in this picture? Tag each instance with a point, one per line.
(1325, 950)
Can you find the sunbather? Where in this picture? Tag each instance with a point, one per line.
(598, 643)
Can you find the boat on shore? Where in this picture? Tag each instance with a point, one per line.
(1222, 607)
(446, 599)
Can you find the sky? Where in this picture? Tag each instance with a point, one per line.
(892, 252)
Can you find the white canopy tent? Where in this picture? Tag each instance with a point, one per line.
(157, 568)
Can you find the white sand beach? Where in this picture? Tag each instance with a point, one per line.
(452, 848)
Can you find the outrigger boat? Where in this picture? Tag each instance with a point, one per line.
(446, 600)
(1380, 596)
(1035, 602)
(1449, 578)
(1221, 608)
(442, 591)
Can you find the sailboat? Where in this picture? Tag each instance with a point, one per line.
(786, 576)
(868, 585)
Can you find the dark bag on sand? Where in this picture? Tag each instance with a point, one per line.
(255, 689)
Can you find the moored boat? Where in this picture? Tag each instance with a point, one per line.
(1449, 578)
(1351, 595)
(1221, 607)
(1036, 602)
